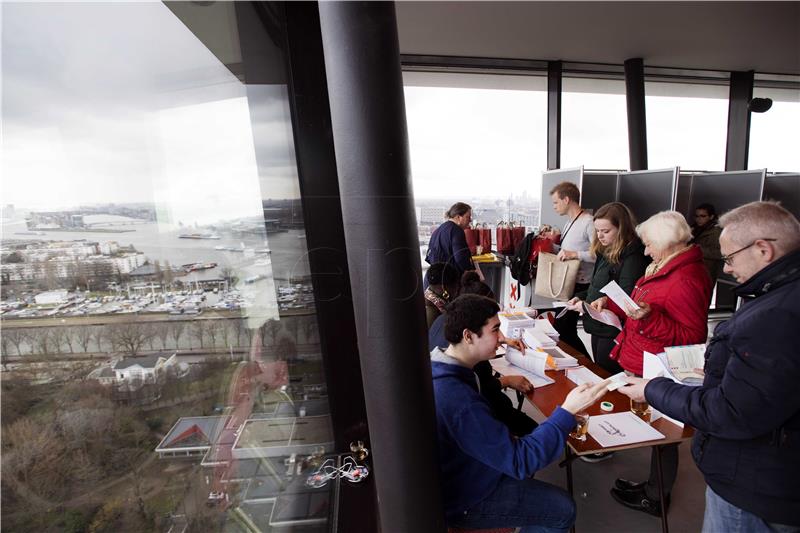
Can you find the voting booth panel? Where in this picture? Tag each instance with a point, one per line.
(599, 188)
(784, 188)
(726, 190)
(647, 192)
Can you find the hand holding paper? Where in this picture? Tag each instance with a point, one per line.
(606, 316)
(619, 296)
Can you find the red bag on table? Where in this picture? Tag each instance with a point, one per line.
(505, 245)
(472, 240)
(517, 234)
(485, 239)
(540, 244)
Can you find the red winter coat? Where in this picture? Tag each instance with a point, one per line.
(679, 295)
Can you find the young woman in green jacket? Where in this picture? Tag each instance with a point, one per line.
(620, 257)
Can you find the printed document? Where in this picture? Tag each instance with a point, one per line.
(619, 296)
(581, 375)
(503, 367)
(619, 429)
(606, 316)
(656, 366)
(684, 359)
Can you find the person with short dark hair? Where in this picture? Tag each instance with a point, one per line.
(491, 387)
(486, 472)
(448, 244)
(705, 234)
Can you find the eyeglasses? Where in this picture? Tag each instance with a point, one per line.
(728, 259)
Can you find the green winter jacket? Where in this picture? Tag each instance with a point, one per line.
(633, 262)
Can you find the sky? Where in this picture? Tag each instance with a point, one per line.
(122, 103)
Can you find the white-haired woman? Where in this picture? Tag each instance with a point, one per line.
(673, 298)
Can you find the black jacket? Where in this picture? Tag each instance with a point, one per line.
(449, 245)
(747, 412)
(632, 265)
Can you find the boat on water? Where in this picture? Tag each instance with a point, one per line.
(192, 267)
(212, 236)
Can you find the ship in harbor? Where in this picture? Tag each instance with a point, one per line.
(212, 236)
(194, 267)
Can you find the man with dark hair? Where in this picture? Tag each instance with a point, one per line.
(486, 472)
(747, 412)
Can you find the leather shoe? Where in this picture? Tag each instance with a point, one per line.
(625, 485)
(638, 501)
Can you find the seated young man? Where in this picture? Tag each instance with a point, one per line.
(486, 472)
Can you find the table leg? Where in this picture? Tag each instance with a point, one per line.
(664, 524)
(568, 458)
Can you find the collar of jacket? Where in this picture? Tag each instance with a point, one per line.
(692, 255)
(776, 274)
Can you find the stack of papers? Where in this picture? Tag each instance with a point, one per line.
(543, 325)
(536, 338)
(513, 322)
(516, 364)
(555, 357)
(580, 375)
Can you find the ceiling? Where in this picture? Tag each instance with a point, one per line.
(727, 36)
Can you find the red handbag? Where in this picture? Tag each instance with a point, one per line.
(517, 234)
(540, 244)
(485, 239)
(472, 235)
(505, 245)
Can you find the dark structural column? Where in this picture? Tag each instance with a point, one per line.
(327, 255)
(365, 86)
(553, 115)
(741, 92)
(637, 120)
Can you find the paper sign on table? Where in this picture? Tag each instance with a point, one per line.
(619, 429)
(619, 296)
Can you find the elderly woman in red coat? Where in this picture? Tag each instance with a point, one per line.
(673, 298)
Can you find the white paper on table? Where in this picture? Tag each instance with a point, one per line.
(535, 338)
(619, 296)
(503, 367)
(532, 361)
(606, 316)
(619, 429)
(655, 366)
(581, 375)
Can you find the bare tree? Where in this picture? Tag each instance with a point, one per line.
(65, 337)
(199, 329)
(213, 331)
(271, 327)
(84, 335)
(310, 328)
(151, 336)
(16, 336)
(128, 337)
(161, 330)
(41, 340)
(225, 333)
(176, 330)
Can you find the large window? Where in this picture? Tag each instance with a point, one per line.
(686, 125)
(161, 362)
(773, 135)
(594, 127)
(480, 139)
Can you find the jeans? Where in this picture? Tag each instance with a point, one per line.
(601, 351)
(533, 505)
(722, 517)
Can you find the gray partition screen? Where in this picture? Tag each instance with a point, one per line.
(646, 192)
(599, 188)
(551, 178)
(683, 195)
(784, 188)
(726, 190)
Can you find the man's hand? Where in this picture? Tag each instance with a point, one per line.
(519, 383)
(516, 343)
(583, 396)
(638, 314)
(575, 304)
(635, 388)
(599, 304)
(566, 255)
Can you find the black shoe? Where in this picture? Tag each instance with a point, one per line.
(625, 485)
(638, 501)
(596, 457)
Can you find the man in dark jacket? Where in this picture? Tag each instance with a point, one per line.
(747, 412)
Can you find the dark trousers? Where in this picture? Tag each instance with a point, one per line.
(669, 471)
(567, 325)
(601, 350)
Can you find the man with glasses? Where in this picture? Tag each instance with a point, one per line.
(747, 412)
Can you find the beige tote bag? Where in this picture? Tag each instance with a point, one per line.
(554, 278)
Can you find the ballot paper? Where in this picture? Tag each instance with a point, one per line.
(656, 366)
(536, 338)
(619, 429)
(616, 381)
(547, 328)
(556, 357)
(580, 375)
(606, 316)
(531, 360)
(505, 368)
(619, 296)
(684, 359)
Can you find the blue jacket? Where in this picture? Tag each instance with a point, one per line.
(747, 412)
(449, 245)
(475, 449)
